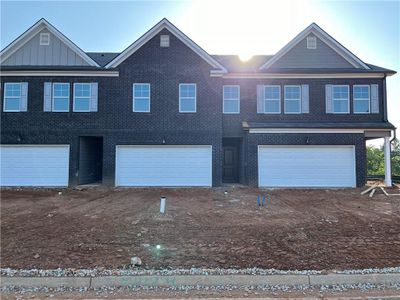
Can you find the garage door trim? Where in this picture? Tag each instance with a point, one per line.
(354, 161)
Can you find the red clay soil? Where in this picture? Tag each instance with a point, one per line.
(297, 229)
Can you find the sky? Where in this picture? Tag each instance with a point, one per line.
(369, 29)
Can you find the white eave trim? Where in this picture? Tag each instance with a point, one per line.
(36, 28)
(311, 75)
(326, 38)
(61, 73)
(164, 23)
(311, 130)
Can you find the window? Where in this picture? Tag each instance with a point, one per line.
(187, 97)
(292, 99)
(272, 99)
(164, 41)
(311, 42)
(12, 96)
(44, 39)
(141, 97)
(361, 99)
(60, 97)
(82, 96)
(340, 99)
(231, 103)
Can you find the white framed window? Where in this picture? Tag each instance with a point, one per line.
(44, 39)
(361, 99)
(292, 94)
(187, 97)
(60, 97)
(82, 95)
(164, 40)
(311, 42)
(141, 97)
(12, 97)
(340, 99)
(231, 101)
(272, 99)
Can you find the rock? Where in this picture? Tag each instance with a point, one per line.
(36, 256)
(188, 213)
(146, 245)
(136, 261)
(60, 193)
(49, 215)
(139, 234)
(135, 222)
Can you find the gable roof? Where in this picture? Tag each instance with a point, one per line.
(327, 39)
(102, 58)
(164, 23)
(35, 29)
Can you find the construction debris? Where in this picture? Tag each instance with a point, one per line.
(384, 191)
(372, 193)
(369, 189)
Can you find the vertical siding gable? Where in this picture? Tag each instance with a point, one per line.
(301, 57)
(55, 54)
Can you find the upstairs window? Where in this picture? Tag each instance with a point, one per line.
(44, 39)
(272, 99)
(292, 99)
(187, 98)
(311, 42)
(60, 97)
(164, 41)
(82, 96)
(15, 96)
(361, 99)
(141, 97)
(340, 99)
(231, 102)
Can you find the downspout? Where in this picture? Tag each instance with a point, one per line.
(385, 118)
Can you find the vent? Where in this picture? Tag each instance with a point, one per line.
(44, 39)
(164, 41)
(311, 42)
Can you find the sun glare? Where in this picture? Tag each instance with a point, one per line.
(245, 57)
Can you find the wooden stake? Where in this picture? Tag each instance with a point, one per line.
(368, 189)
(372, 193)
(383, 190)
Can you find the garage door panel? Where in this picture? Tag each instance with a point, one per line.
(34, 165)
(306, 166)
(163, 165)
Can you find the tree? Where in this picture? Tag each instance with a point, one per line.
(376, 159)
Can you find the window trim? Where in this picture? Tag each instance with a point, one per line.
(280, 99)
(44, 39)
(52, 96)
(284, 99)
(4, 98)
(369, 99)
(312, 42)
(90, 97)
(230, 99)
(348, 99)
(195, 98)
(133, 97)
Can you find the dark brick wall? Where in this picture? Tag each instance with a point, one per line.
(248, 103)
(252, 141)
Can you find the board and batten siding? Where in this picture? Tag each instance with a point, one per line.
(57, 53)
(321, 57)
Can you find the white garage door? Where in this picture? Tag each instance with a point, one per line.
(163, 166)
(34, 165)
(306, 166)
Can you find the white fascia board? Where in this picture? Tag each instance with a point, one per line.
(311, 75)
(331, 42)
(61, 73)
(179, 34)
(305, 130)
(36, 28)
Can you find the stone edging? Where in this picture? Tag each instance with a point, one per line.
(203, 280)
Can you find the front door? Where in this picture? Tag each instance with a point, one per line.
(230, 166)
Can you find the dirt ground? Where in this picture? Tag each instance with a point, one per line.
(296, 229)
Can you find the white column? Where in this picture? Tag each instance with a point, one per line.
(388, 171)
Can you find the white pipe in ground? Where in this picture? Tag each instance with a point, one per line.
(162, 204)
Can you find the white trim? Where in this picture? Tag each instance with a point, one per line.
(32, 31)
(305, 130)
(323, 36)
(284, 99)
(223, 99)
(280, 100)
(348, 99)
(301, 75)
(311, 42)
(52, 96)
(164, 23)
(195, 98)
(133, 97)
(369, 99)
(44, 39)
(89, 97)
(61, 73)
(4, 98)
